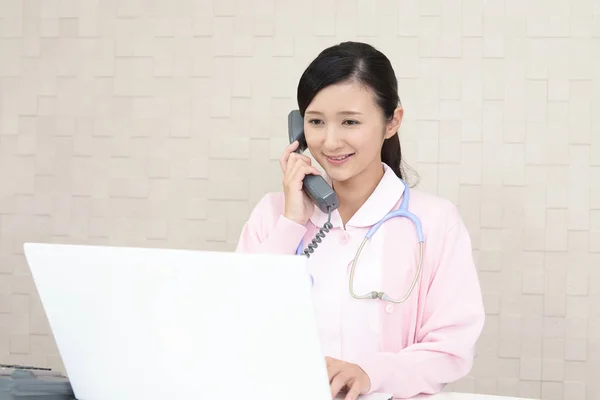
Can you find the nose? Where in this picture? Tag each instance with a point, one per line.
(332, 139)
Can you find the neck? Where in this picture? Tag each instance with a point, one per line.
(353, 193)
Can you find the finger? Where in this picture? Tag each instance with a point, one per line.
(354, 391)
(338, 382)
(297, 170)
(292, 163)
(289, 149)
(296, 158)
(292, 146)
(302, 171)
(333, 369)
(305, 169)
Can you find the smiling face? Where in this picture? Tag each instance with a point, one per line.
(345, 130)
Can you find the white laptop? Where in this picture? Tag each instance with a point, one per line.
(137, 323)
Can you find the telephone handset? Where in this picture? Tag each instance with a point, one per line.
(315, 186)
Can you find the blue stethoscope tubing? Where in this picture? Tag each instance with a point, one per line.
(402, 211)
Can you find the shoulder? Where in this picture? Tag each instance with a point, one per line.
(269, 208)
(271, 202)
(447, 240)
(268, 231)
(435, 212)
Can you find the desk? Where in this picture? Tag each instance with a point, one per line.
(465, 396)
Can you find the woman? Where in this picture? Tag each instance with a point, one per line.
(349, 101)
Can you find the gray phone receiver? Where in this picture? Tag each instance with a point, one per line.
(315, 186)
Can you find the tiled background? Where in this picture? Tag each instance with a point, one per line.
(159, 123)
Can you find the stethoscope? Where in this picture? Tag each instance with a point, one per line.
(402, 211)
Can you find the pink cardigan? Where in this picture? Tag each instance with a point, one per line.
(406, 349)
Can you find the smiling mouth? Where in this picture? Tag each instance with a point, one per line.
(340, 158)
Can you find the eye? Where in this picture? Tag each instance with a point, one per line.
(351, 122)
(315, 121)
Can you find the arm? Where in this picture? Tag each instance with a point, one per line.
(452, 321)
(268, 231)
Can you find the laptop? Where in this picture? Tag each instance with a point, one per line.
(141, 323)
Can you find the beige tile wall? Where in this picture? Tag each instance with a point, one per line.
(159, 123)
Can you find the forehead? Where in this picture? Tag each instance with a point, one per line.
(346, 96)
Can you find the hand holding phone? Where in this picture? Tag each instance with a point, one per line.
(313, 184)
(298, 205)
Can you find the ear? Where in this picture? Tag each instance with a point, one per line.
(394, 124)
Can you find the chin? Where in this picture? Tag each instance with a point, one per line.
(338, 175)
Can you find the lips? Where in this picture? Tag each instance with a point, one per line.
(340, 158)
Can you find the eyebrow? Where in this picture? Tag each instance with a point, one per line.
(313, 112)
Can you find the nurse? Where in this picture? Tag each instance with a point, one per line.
(349, 100)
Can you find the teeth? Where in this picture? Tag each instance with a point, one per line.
(340, 158)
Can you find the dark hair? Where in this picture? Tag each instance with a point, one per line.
(366, 65)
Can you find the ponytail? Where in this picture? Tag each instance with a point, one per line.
(392, 155)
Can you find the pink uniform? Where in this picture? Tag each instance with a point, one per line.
(406, 349)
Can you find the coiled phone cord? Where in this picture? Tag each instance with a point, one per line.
(319, 236)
